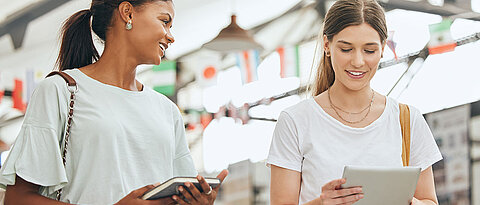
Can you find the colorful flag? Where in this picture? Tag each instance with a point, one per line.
(441, 40)
(206, 70)
(164, 77)
(247, 62)
(392, 44)
(205, 119)
(289, 61)
(17, 96)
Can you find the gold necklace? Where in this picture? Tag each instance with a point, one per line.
(350, 113)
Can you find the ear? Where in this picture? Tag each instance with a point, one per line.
(326, 44)
(125, 9)
(383, 48)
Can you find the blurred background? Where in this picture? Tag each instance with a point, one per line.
(236, 64)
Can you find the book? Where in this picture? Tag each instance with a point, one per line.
(170, 187)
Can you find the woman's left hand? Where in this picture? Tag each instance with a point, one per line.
(207, 197)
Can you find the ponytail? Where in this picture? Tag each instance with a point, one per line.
(325, 76)
(77, 48)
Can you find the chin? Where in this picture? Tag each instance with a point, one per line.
(157, 60)
(357, 87)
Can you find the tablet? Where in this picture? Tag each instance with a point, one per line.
(382, 185)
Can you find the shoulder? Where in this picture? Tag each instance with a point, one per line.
(395, 107)
(162, 100)
(51, 85)
(298, 111)
(302, 107)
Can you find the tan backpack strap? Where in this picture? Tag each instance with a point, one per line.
(405, 125)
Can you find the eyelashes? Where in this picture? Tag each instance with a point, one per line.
(366, 51)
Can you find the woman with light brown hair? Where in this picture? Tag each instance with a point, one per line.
(124, 136)
(346, 122)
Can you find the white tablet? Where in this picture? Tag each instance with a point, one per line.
(382, 185)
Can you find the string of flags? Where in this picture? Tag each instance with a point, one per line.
(241, 113)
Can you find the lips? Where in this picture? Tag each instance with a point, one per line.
(163, 47)
(355, 74)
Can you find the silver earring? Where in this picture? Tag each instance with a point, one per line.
(129, 25)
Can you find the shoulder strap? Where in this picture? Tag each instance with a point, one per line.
(405, 125)
(72, 88)
(70, 81)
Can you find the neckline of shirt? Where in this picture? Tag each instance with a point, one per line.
(107, 86)
(354, 129)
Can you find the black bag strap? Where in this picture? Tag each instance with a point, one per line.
(72, 88)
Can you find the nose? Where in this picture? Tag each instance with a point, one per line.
(170, 37)
(358, 60)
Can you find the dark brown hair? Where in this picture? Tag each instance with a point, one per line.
(342, 14)
(77, 48)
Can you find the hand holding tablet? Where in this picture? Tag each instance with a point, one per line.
(383, 185)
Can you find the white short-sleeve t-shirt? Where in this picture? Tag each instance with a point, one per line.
(308, 140)
(120, 141)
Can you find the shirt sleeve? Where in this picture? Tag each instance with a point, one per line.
(285, 150)
(424, 151)
(35, 155)
(183, 162)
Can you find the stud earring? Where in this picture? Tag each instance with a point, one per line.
(129, 25)
(327, 54)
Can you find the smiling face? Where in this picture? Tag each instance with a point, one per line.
(150, 35)
(355, 53)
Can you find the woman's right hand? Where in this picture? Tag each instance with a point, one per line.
(134, 198)
(332, 193)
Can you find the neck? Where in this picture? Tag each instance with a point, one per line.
(351, 100)
(115, 67)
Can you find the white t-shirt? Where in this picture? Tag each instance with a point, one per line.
(308, 140)
(120, 141)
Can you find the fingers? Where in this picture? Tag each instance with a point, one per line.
(186, 194)
(166, 200)
(344, 192)
(334, 184)
(348, 199)
(179, 200)
(222, 177)
(205, 186)
(139, 192)
(196, 193)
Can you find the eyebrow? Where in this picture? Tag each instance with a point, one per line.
(348, 43)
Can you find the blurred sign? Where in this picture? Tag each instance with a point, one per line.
(452, 174)
(164, 77)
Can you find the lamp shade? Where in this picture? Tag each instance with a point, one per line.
(233, 38)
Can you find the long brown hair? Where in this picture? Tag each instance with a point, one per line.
(77, 48)
(342, 14)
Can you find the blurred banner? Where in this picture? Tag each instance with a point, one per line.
(452, 174)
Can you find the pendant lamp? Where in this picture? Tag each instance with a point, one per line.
(233, 38)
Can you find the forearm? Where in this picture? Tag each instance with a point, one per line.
(27, 198)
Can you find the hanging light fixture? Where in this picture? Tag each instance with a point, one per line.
(233, 38)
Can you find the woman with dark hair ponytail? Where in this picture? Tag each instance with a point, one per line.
(124, 136)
